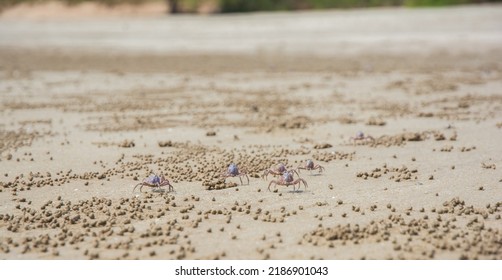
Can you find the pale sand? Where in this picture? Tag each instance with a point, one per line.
(272, 88)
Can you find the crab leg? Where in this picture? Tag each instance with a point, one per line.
(136, 187)
(304, 183)
(272, 182)
(304, 168)
(321, 168)
(166, 183)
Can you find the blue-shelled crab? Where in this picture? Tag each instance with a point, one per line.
(278, 170)
(287, 180)
(233, 171)
(361, 137)
(310, 165)
(154, 181)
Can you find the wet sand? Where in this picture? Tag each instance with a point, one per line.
(86, 117)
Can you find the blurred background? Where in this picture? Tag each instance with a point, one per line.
(238, 6)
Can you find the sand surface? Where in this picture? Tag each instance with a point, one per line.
(91, 107)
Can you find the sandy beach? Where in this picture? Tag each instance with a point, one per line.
(90, 106)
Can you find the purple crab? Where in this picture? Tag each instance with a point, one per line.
(287, 180)
(361, 137)
(276, 171)
(154, 181)
(310, 165)
(233, 171)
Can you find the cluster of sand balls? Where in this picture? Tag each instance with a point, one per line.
(330, 156)
(399, 174)
(24, 182)
(187, 162)
(191, 162)
(466, 233)
(85, 226)
(98, 228)
(12, 140)
(32, 180)
(218, 184)
(401, 138)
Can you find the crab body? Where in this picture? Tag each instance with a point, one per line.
(361, 137)
(154, 181)
(310, 165)
(278, 170)
(287, 179)
(233, 171)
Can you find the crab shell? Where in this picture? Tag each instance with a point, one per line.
(233, 170)
(310, 163)
(281, 168)
(153, 179)
(287, 177)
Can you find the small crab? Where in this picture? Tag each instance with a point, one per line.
(154, 181)
(276, 171)
(361, 137)
(233, 171)
(287, 180)
(310, 165)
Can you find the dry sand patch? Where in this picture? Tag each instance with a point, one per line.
(80, 130)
